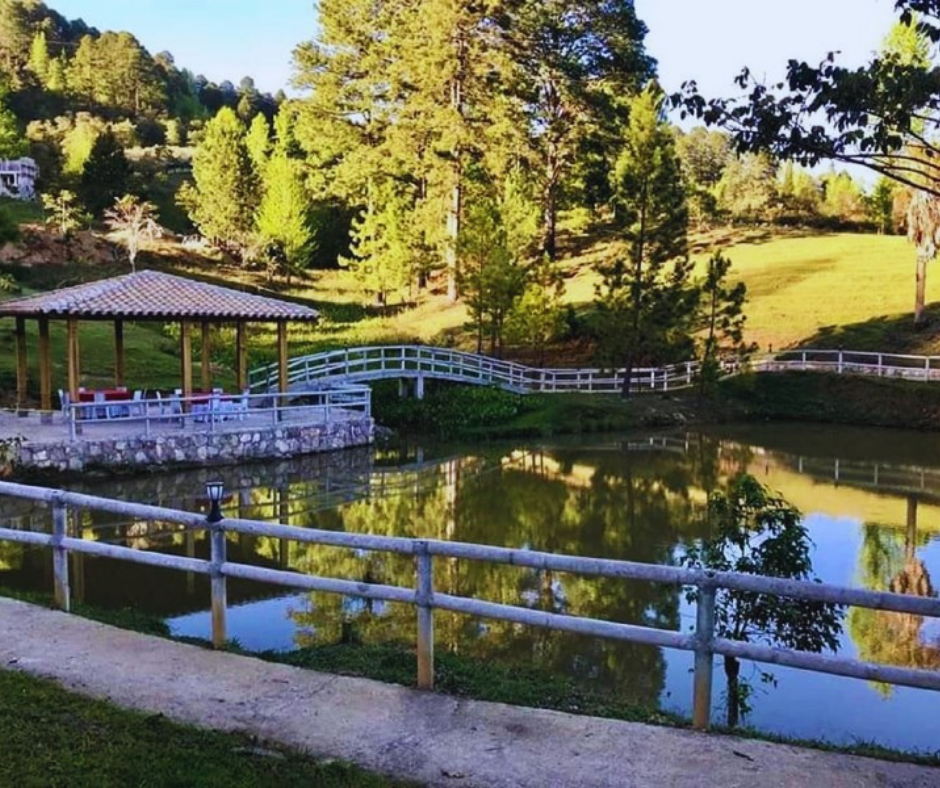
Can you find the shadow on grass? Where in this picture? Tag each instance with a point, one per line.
(886, 333)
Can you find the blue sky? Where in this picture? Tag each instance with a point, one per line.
(708, 40)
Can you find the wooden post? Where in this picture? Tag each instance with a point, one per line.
(21, 368)
(118, 352)
(73, 358)
(217, 550)
(205, 353)
(45, 369)
(704, 633)
(60, 556)
(282, 357)
(186, 363)
(241, 357)
(425, 594)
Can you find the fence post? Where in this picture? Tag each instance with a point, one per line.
(425, 596)
(840, 361)
(927, 368)
(880, 365)
(71, 415)
(217, 550)
(60, 556)
(704, 634)
(803, 359)
(688, 373)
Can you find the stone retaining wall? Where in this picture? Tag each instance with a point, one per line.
(195, 449)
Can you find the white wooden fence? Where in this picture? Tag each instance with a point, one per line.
(424, 597)
(378, 362)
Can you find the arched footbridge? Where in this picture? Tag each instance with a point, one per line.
(421, 362)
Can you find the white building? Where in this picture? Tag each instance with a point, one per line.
(18, 178)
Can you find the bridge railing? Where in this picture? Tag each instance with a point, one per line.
(426, 599)
(386, 361)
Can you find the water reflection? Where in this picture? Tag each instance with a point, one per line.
(872, 501)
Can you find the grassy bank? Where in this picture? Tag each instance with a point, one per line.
(52, 738)
(833, 399)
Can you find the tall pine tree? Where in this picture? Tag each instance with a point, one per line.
(646, 302)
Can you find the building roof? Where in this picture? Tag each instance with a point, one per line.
(153, 295)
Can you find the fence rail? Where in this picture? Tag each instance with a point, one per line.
(211, 412)
(419, 361)
(423, 596)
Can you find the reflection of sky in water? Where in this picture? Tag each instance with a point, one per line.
(257, 626)
(815, 705)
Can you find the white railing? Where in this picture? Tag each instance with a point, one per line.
(894, 365)
(420, 361)
(424, 597)
(216, 412)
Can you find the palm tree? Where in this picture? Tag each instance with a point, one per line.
(135, 219)
(923, 230)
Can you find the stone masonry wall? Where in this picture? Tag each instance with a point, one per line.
(185, 449)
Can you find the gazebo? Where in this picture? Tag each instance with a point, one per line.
(147, 296)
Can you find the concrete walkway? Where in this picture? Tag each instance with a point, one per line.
(435, 739)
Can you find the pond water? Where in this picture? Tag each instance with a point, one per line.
(871, 501)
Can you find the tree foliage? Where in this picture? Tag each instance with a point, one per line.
(646, 302)
(105, 175)
(135, 220)
(222, 199)
(755, 532)
(283, 219)
(722, 319)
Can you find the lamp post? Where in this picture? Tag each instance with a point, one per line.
(214, 491)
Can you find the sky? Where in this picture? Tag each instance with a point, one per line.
(706, 40)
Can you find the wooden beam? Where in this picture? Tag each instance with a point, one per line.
(118, 352)
(21, 368)
(282, 357)
(73, 358)
(205, 354)
(45, 367)
(186, 361)
(241, 357)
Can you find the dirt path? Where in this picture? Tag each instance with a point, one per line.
(436, 739)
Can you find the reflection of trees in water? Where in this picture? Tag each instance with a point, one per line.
(889, 562)
(632, 506)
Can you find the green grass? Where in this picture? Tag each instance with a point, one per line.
(834, 399)
(53, 738)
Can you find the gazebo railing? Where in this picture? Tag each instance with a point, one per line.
(219, 412)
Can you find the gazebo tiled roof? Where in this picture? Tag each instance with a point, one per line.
(153, 295)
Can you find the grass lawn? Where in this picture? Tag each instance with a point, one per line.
(23, 211)
(805, 288)
(52, 738)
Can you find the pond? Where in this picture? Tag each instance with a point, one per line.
(871, 501)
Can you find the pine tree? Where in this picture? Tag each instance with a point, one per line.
(12, 143)
(646, 302)
(258, 142)
(284, 214)
(105, 175)
(39, 60)
(222, 198)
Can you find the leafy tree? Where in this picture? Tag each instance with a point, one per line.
(284, 213)
(135, 220)
(63, 212)
(755, 532)
(923, 230)
(9, 231)
(704, 155)
(39, 61)
(537, 316)
(573, 60)
(78, 141)
(881, 205)
(645, 302)
(799, 194)
(843, 199)
(382, 255)
(491, 278)
(105, 175)
(12, 143)
(258, 142)
(223, 195)
(747, 190)
(722, 321)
